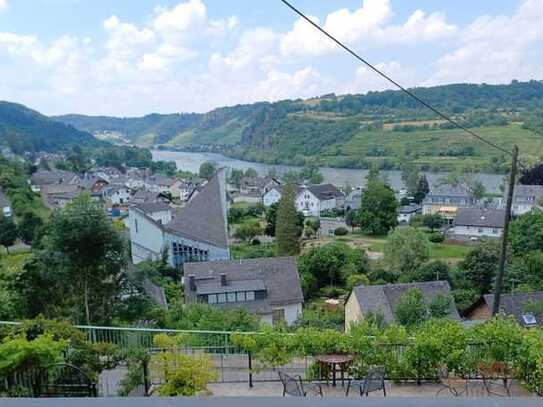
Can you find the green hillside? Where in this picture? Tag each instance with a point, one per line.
(23, 129)
(354, 130)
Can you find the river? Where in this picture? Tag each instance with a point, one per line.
(337, 176)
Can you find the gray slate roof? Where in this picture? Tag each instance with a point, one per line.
(383, 298)
(492, 218)
(514, 304)
(325, 191)
(529, 194)
(153, 207)
(44, 177)
(279, 276)
(449, 190)
(204, 217)
(407, 209)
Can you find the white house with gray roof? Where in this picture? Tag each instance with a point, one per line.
(197, 232)
(445, 200)
(477, 222)
(267, 287)
(382, 299)
(5, 205)
(526, 198)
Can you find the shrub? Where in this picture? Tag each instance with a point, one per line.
(340, 231)
(436, 237)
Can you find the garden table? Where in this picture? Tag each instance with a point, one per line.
(335, 363)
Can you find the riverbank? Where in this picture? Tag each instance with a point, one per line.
(190, 161)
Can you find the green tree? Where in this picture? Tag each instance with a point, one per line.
(432, 271)
(207, 169)
(440, 306)
(251, 173)
(377, 213)
(271, 220)
(480, 265)
(8, 232)
(526, 233)
(411, 308)
(410, 174)
(235, 177)
(29, 227)
(423, 187)
(405, 250)
(287, 231)
(248, 230)
(331, 264)
(433, 221)
(477, 189)
(82, 261)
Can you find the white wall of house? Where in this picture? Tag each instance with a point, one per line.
(292, 313)
(353, 313)
(478, 231)
(120, 196)
(246, 199)
(271, 197)
(521, 209)
(308, 203)
(405, 217)
(147, 238)
(214, 253)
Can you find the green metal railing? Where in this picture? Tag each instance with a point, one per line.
(142, 338)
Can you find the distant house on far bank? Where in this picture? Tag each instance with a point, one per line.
(510, 304)
(476, 222)
(526, 198)
(405, 213)
(446, 200)
(267, 287)
(382, 299)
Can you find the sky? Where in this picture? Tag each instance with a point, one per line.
(135, 57)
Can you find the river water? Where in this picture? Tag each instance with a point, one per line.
(337, 176)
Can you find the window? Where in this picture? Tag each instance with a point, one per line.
(480, 230)
(241, 297)
(278, 316)
(212, 299)
(136, 224)
(221, 298)
(231, 297)
(250, 295)
(529, 319)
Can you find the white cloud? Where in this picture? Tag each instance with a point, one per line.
(3, 4)
(497, 49)
(365, 79)
(281, 85)
(364, 27)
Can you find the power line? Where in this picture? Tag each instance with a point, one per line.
(403, 89)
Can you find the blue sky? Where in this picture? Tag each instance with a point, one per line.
(133, 57)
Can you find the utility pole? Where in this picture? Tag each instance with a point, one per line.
(503, 252)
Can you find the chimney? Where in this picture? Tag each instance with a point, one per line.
(192, 282)
(223, 280)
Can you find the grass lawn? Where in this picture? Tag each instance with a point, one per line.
(11, 262)
(448, 251)
(247, 251)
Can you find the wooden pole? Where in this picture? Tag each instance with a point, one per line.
(503, 252)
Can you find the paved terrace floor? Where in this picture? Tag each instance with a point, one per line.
(400, 390)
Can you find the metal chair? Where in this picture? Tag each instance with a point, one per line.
(294, 386)
(374, 381)
(457, 386)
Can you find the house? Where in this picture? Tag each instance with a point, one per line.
(405, 213)
(58, 195)
(197, 232)
(268, 287)
(445, 200)
(93, 183)
(48, 177)
(142, 196)
(526, 198)
(5, 205)
(353, 199)
(257, 184)
(250, 197)
(383, 299)
(313, 199)
(183, 189)
(117, 194)
(159, 183)
(510, 304)
(477, 222)
(273, 195)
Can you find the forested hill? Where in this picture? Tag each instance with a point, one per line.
(23, 129)
(350, 130)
